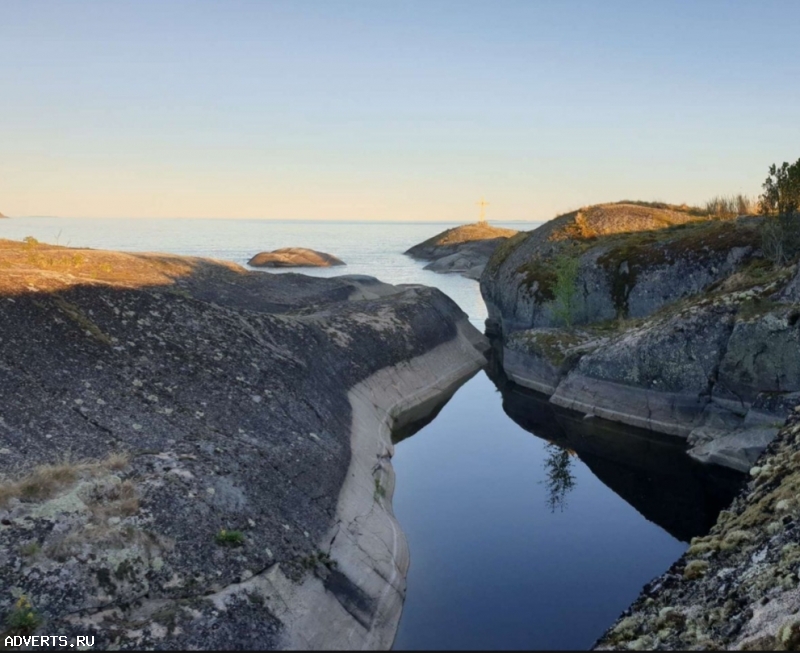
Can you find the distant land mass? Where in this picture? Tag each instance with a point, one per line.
(3, 216)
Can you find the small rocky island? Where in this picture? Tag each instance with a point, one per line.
(462, 250)
(193, 455)
(294, 257)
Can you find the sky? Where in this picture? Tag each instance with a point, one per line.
(408, 110)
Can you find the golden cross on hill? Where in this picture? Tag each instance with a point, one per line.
(483, 204)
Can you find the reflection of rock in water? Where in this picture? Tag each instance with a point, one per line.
(560, 479)
(424, 413)
(649, 471)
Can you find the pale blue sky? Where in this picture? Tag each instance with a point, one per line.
(389, 110)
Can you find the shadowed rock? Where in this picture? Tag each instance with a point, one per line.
(736, 588)
(294, 257)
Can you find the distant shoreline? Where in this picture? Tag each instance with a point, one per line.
(299, 220)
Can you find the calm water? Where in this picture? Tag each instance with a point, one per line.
(528, 529)
(368, 248)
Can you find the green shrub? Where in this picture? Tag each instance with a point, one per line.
(23, 619)
(782, 189)
(230, 538)
(565, 289)
(780, 238)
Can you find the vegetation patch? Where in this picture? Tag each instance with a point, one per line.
(551, 344)
(45, 481)
(82, 320)
(23, 619)
(695, 569)
(380, 491)
(319, 558)
(229, 538)
(504, 250)
(541, 273)
(627, 256)
(467, 233)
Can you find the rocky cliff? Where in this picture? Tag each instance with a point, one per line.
(678, 327)
(737, 587)
(463, 250)
(197, 456)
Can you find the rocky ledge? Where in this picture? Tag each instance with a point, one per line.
(655, 318)
(463, 250)
(294, 257)
(197, 456)
(736, 588)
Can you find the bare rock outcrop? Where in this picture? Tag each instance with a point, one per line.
(463, 250)
(737, 587)
(294, 257)
(197, 456)
(686, 331)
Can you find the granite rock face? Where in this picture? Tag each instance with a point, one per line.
(685, 331)
(631, 261)
(463, 250)
(294, 257)
(177, 437)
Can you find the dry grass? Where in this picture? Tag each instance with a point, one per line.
(52, 267)
(120, 501)
(621, 217)
(467, 233)
(731, 206)
(45, 481)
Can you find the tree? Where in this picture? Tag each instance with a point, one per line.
(560, 480)
(782, 189)
(780, 236)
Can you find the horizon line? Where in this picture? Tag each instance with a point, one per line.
(181, 217)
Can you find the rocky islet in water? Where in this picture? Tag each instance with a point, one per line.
(463, 250)
(294, 257)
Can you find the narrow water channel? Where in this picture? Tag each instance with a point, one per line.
(534, 530)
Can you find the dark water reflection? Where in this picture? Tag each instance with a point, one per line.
(651, 472)
(521, 542)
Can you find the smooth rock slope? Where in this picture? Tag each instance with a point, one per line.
(194, 455)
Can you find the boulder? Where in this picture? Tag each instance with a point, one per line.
(294, 257)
